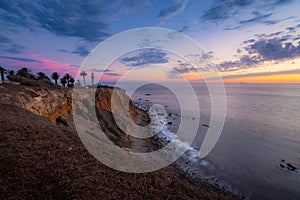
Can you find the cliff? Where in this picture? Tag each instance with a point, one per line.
(43, 101)
(57, 102)
(42, 160)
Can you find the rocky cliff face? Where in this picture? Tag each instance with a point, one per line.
(54, 102)
(104, 101)
(46, 102)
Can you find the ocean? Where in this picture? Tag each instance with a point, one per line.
(259, 141)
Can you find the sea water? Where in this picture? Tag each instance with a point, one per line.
(261, 135)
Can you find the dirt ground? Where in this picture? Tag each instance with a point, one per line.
(41, 160)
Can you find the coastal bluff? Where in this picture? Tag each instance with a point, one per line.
(42, 159)
(56, 102)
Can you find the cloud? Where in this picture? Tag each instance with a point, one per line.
(184, 29)
(281, 2)
(184, 68)
(248, 41)
(172, 11)
(233, 9)
(80, 19)
(20, 59)
(81, 51)
(64, 51)
(276, 46)
(291, 29)
(274, 21)
(76, 66)
(181, 68)
(106, 72)
(221, 10)
(100, 70)
(7, 45)
(207, 55)
(36, 63)
(244, 61)
(112, 74)
(258, 17)
(15, 49)
(147, 56)
(134, 5)
(266, 47)
(274, 49)
(4, 39)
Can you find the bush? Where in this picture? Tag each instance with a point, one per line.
(62, 121)
(29, 83)
(104, 86)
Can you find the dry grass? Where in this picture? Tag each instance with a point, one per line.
(39, 160)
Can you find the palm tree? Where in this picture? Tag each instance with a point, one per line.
(72, 81)
(2, 72)
(67, 77)
(92, 78)
(55, 77)
(11, 75)
(63, 81)
(42, 75)
(83, 74)
(24, 72)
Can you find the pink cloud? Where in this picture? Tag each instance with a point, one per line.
(36, 63)
(107, 78)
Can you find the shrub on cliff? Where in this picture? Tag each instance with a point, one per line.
(61, 121)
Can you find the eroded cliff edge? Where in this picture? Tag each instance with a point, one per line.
(57, 102)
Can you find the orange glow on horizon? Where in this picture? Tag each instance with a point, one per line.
(192, 76)
(278, 78)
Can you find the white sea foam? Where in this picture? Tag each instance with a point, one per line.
(164, 136)
(189, 162)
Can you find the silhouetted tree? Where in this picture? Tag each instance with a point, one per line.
(42, 75)
(11, 75)
(63, 81)
(72, 81)
(32, 76)
(24, 72)
(2, 72)
(92, 78)
(83, 74)
(67, 77)
(55, 77)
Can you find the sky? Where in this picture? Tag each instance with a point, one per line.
(246, 40)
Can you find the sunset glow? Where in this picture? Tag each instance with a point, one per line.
(246, 42)
(286, 78)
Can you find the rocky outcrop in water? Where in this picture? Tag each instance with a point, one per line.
(288, 166)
